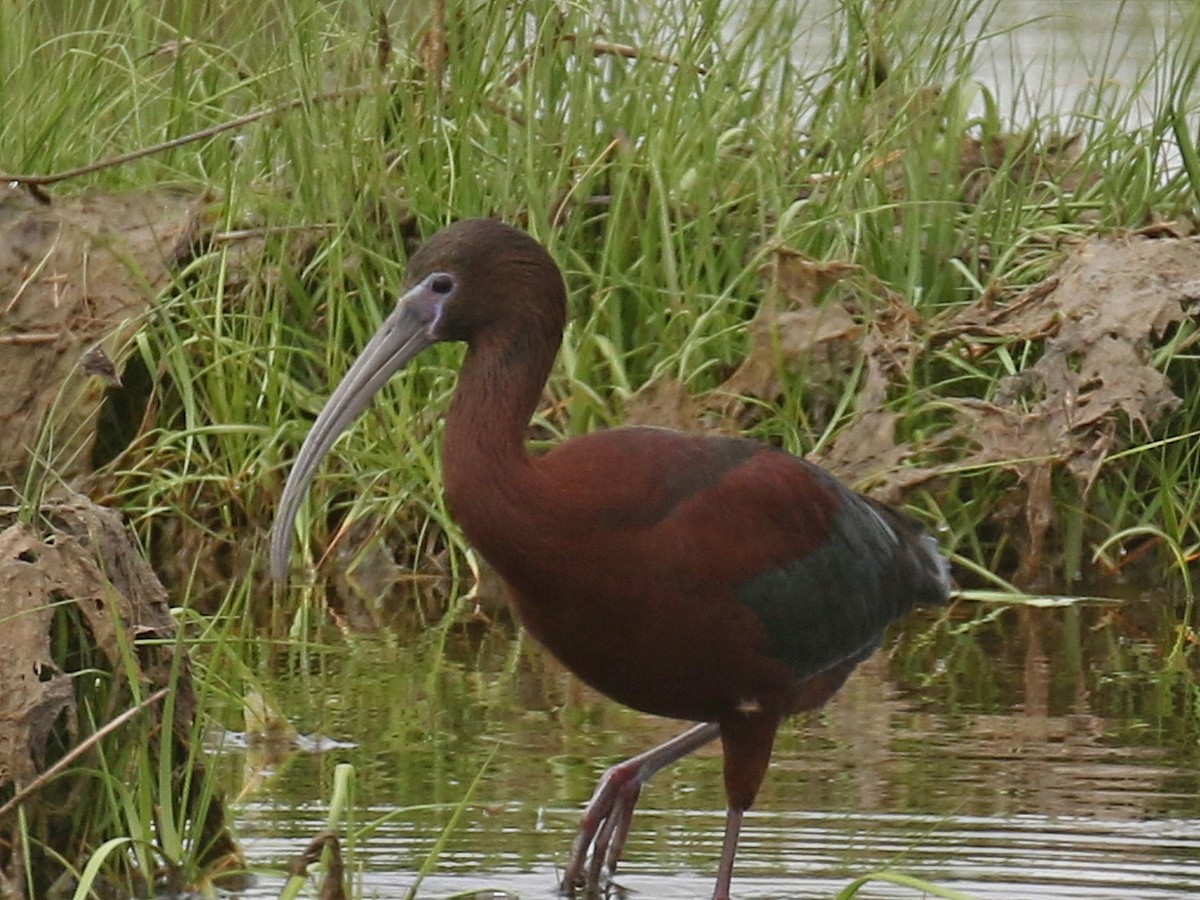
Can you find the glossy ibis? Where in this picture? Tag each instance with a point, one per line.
(710, 579)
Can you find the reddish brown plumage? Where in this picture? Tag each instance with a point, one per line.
(592, 571)
(708, 579)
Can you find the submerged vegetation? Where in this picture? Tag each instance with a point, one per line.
(811, 223)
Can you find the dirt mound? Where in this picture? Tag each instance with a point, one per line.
(76, 279)
(81, 608)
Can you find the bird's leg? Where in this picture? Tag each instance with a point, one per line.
(604, 826)
(610, 839)
(733, 828)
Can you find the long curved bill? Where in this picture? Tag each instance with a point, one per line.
(409, 329)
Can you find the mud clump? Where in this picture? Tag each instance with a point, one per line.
(88, 659)
(77, 279)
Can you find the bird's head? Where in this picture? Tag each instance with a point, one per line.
(482, 275)
(474, 278)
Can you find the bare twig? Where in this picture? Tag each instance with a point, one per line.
(121, 159)
(81, 748)
(243, 234)
(30, 338)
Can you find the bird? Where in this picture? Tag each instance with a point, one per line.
(710, 579)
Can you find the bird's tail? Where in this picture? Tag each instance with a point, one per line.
(927, 569)
(938, 564)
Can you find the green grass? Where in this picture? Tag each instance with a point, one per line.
(660, 176)
(661, 180)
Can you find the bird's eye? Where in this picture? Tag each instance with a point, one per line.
(441, 283)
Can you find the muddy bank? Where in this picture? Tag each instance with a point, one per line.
(90, 678)
(77, 279)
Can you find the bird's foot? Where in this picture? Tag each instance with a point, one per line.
(605, 825)
(603, 831)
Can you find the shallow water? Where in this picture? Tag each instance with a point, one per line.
(1045, 57)
(1002, 752)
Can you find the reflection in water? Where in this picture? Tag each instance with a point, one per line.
(1037, 760)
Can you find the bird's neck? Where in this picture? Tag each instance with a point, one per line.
(488, 474)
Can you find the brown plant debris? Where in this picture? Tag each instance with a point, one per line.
(866, 452)
(1021, 158)
(77, 580)
(326, 845)
(792, 334)
(1099, 318)
(1092, 327)
(802, 330)
(665, 402)
(75, 279)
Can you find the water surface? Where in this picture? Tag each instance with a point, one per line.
(1004, 752)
